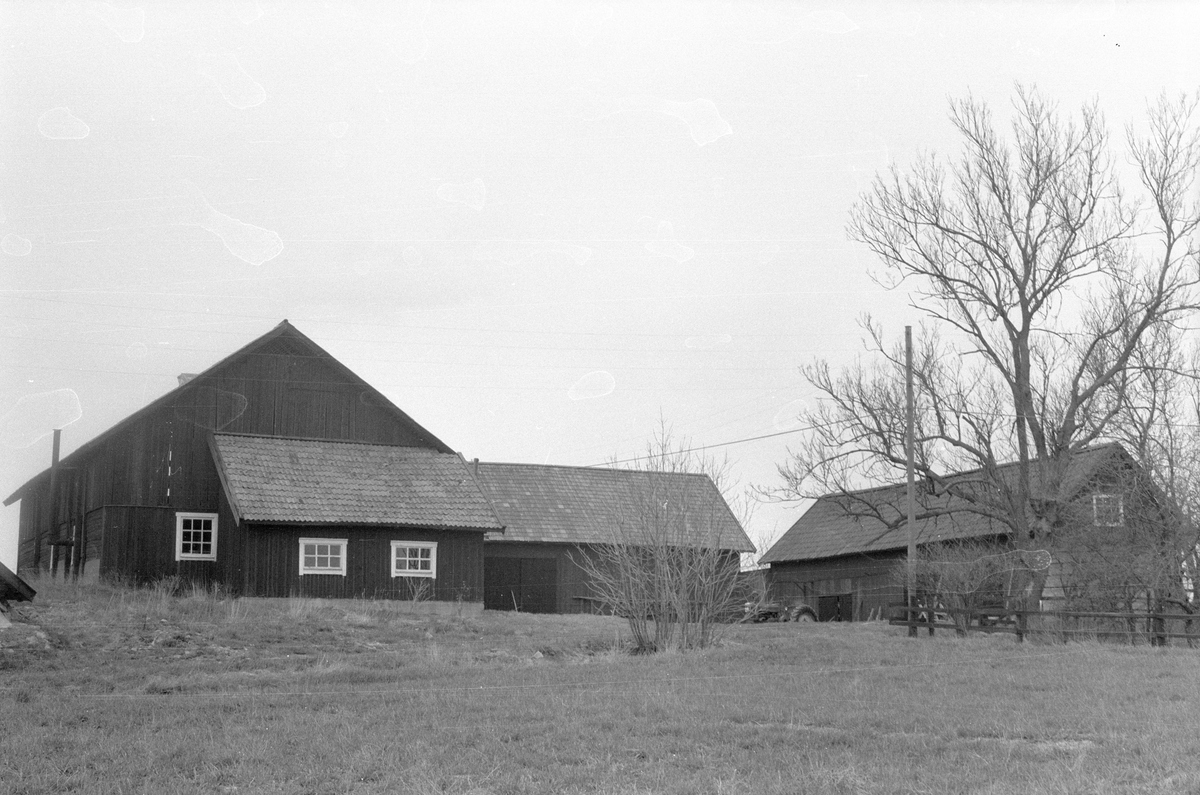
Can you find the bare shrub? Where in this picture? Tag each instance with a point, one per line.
(671, 566)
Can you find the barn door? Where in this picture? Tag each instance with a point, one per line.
(838, 607)
(501, 582)
(539, 585)
(526, 584)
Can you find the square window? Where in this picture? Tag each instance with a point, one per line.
(414, 559)
(195, 536)
(323, 556)
(1108, 510)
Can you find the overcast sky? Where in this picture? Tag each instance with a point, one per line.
(536, 227)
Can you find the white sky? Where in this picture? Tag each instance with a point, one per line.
(534, 226)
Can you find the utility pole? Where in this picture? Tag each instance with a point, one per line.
(53, 507)
(910, 578)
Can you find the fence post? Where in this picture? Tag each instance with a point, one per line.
(910, 600)
(1021, 626)
(1158, 636)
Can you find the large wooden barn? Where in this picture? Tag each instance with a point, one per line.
(555, 516)
(275, 472)
(847, 564)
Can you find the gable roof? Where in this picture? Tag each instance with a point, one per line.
(304, 481)
(284, 333)
(584, 505)
(829, 528)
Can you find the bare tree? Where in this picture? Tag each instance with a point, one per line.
(671, 567)
(1049, 293)
(1159, 422)
(966, 577)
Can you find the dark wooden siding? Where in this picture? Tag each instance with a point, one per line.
(136, 544)
(93, 538)
(272, 564)
(572, 589)
(163, 459)
(231, 549)
(526, 584)
(139, 542)
(866, 583)
(31, 546)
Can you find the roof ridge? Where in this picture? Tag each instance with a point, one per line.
(1007, 464)
(832, 527)
(584, 468)
(325, 441)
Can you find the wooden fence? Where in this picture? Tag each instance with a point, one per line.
(1154, 628)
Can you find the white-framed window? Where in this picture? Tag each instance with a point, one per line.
(195, 536)
(414, 559)
(1108, 510)
(323, 556)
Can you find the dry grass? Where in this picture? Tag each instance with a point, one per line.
(143, 691)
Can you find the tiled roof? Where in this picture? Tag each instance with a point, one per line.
(274, 479)
(584, 505)
(830, 527)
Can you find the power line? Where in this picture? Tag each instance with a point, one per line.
(708, 446)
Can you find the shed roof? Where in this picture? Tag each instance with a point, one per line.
(13, 588)
(306, 481)
(830, 526)
(282, 330)
(584, 505)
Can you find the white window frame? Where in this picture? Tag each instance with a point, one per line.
(340, 570)
(180, 516)
(430, 545)
(1096, 502)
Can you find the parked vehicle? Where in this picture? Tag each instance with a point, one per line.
(759, 612)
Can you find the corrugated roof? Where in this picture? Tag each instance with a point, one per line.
(275, 479)
(830, 527)
(584, 505)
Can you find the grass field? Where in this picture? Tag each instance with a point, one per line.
(105, 690)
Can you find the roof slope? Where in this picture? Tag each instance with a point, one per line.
(584, 505)
(276, 479)
(829, 528)
(283, 329)
(13, 588)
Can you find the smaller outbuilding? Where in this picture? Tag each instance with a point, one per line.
(844, 554)
(556, 516)
(12, 589)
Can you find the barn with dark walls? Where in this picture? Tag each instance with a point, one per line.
(845, 562)
(554, 516)
(156, 495)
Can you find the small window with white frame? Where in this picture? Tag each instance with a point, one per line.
(195, 536)
(323, 556)
(414, 559)
(1108, 510)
